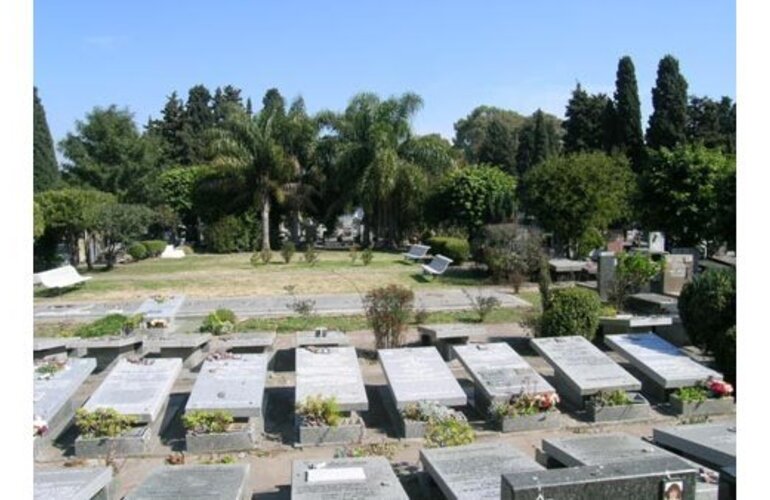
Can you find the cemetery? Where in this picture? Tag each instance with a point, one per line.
(443, 337)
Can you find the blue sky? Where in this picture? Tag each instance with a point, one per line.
(456, 55)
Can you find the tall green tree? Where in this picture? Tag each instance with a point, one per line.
(668, 122)
(120, 224)
(198, 119)
(711, 123)
(585, 123)
(626, 135)
(490, 135)
(539, 140)
(170, 130)
(44, 166)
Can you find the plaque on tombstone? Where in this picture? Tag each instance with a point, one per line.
(678, 271)
(369, 478)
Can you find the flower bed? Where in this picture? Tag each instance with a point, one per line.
(527, 412)
(711, 397)
(617, 405)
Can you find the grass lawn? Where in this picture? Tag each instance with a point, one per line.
(209, 275)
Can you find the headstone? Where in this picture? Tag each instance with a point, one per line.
(499, 372)
(692, 252)
(446, 335)
(331, 372)
(659, 360)
(710, 444)
(236, 385)
(369, 478)
(656, 242)
(210, 482)
(139, 389)
(606, 274)
(53, 394)
(417, 374)
(678, 271)
(322, 337)
(582, 368)
(473, 471)
(71, 483)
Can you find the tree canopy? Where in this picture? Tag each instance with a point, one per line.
(668, 121)
(44, 165)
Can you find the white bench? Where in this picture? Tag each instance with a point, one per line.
(437, 266)
(61, 277)
(417, 252)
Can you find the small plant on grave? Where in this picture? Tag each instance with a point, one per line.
(39, 426)
(223, 460)
(317, 411)
(159, 298)
(353, 254)
(381, 449)
(612, 398)
(132, 323)
(421, 316)
(482, 305)
(112, 324)
(311, 255)
(49, 368)
(448, 432)
(102, 422)
(388, 310)
(367, 256)
(524, 404)
(207, 422)
(219, 322)
(303, 307)
(632, 272)
(287, 251)
(427, 411)
(693, 394)
(717, 388)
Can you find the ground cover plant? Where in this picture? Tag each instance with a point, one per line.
(102, 422)
(319, 411)
(207, 422)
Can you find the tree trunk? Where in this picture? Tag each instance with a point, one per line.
(89, 255)
(266, 222)
(295, 227)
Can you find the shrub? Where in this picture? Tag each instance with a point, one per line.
(311, 255)
(265, 255)
(367, 256)
(633, 271)
(457, 249)
(448, 432)
(256, 259)
(388, 310)
(207, 422)
(381, 449)
(154, 247)
(219, 322)
(317, 411)
(510, 252)
(303, 307)
(612, 398)
(483, 305)
(188, 250)
(426, 411)
(572, 311)
(707, 308)
(353, 254)
(421, 316)
(137, 251)
(112, 324)
(102, 422)
(591, 240)
(693, 394)
(231, 234)
(287, 251)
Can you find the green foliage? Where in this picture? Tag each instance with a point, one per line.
(137, 251)
(483, 305)
(457, 249)
(526, 403)
(102, 422)
(287, 251)
(539, 140)
(448, 432)
(112, 324)
(231, 234)
(388, 310)
(207, 422)
(50, 367)
(311, 255)
(511, 254)
(572, 311)
(612, 398)
(176, 187)
(687, 193)
(45, 169)
(38, 221)
(265, 255)
(490, 135)
(632, 272)
(695, 394)
(712, 123)
(544, 283)
(432, 153)
(474, 196)
(319, 411)
(571, 194)
(585, 124)
(353, 254)
(154, 247)
(588, 242)
(707, 307)
(367, 256)
(669, 100)
(381, 449)
(626, 136)
(219, 322)
(429, 411)
(119, 224)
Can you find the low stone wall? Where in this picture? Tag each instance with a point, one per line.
(351, 431)
(639, 409)
(546, 420)
(711, 406)
(136, 442)
(242, 436)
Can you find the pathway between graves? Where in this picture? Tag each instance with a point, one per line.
(277, 306)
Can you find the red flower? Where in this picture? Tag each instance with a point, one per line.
(720, 388)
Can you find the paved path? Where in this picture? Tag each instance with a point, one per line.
(276, 306)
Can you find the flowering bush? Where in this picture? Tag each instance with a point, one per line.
(525, 404)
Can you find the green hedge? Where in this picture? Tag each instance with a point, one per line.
(137, 251)
(232, 234)
(457, 249)
(154, 247)
(572, 311)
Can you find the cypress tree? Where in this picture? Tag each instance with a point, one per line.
(627, 134)
(198, 117)
(668, 122)
(584, 125)
(44, 167)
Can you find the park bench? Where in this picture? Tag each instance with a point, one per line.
(417, 252)
(61, 277)
(437, 266)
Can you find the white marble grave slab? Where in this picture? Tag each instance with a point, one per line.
(235, 385)
(331, 372)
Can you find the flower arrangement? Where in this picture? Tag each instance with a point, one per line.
(525, 404)
(49, 368)
(39, 427)
(718, 388)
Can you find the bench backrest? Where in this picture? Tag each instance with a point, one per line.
(440, 263)
(61, 276)
(418, 250)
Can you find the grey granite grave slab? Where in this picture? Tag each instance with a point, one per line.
(137, 389)
(652, 303)
(191, 347)
(660, 361)
(330, 338)
(331, 372)
(473, 471)
(49, 346)
(605, 275)
(710, 444)
(581, 368)
(53, 394)
(630, 323)
(351, 479)
(727, 483)
(198, 482)
(247, 341)
(235, 385)
(629, 481)
(165, 310)
(73, 483)
(499, 372)
(107, 342)
(446, 335)
(417, 374)
(566, 265)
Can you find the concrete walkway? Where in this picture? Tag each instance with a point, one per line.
(277, 306)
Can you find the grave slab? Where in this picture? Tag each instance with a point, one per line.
(664, 366)
(630, 323)
(653, 303)
(247, 342)
(447, 335)
(190, 347)
(209, 482)
(137, 389)
(417, 374)
(73, 484)
(582, 369)
(473, 471)
(236, 385)
(49, 346)
(109, 348)
(328, 338)
(165, 310)
(331, 372)
(53, 394)
(351, 479)
(713, 445)
(566, 265)
(499, 373)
